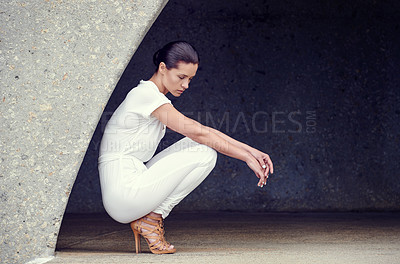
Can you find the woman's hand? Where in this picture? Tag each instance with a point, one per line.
(261, 164)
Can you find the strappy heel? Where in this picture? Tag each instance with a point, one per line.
(151, 231)
(137, 241)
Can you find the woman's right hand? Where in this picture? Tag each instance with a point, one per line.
(258, 170)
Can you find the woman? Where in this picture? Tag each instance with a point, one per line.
(144, 194)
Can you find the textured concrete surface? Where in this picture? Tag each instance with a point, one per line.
(60, 61)
(239, 238)
(313, 83)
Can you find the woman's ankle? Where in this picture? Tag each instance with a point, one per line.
(155, 214)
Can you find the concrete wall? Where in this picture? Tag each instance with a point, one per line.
(315, 84)
(60, 61)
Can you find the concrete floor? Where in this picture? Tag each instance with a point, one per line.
(226, 237)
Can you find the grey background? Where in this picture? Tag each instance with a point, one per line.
(313, 83)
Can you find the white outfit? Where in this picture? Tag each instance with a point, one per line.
(130, 189)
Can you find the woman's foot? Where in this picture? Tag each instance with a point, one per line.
(152, 229)
(159, 244)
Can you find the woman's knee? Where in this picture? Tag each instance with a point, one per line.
(203, 152)
(214, 156)
(208, 154)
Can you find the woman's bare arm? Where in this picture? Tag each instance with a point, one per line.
(176, 121)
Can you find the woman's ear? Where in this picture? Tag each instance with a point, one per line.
(162, 68)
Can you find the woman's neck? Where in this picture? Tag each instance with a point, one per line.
(156, 79)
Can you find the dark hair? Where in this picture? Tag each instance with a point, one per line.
(175, 52)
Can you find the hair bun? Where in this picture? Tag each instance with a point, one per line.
(155, 58)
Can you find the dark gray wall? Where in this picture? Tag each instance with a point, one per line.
(313, 83)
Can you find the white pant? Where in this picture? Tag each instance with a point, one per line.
(131, 189)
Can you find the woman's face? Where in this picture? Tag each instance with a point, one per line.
(176, 80)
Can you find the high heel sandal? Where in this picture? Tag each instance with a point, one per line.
(151, 231)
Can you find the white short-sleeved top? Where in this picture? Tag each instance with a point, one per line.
(132, 130)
